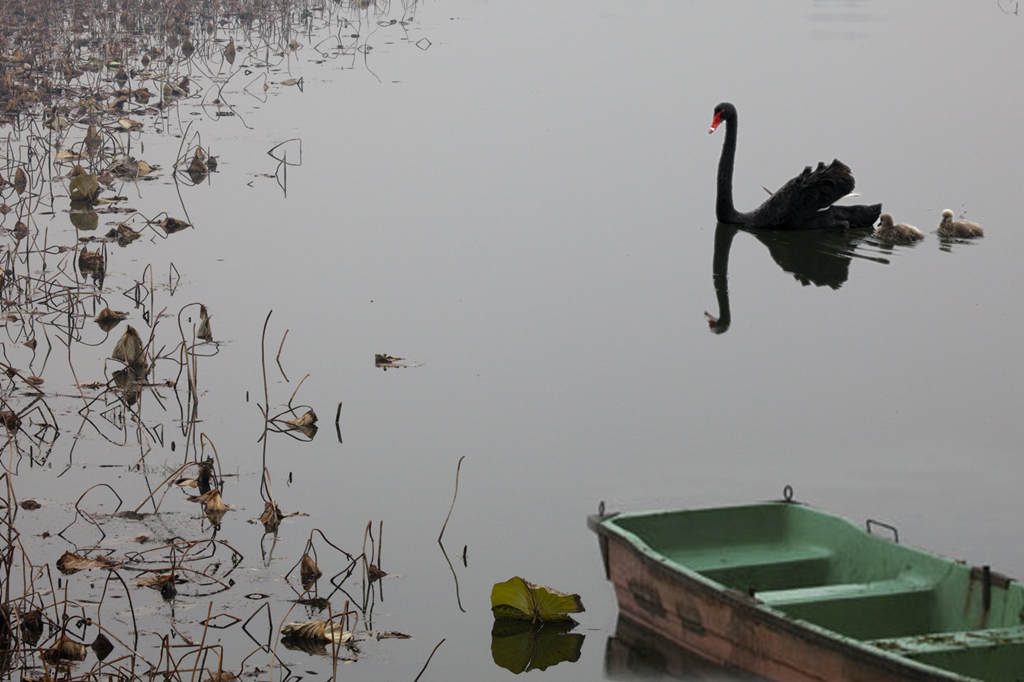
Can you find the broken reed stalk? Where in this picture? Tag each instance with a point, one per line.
(309, 546)
(192, 370)
(335, 643)
(455, 577)
(265, 493)
(131, 609)
(202, 639)
(454, 494)
(203, 439)
(278, 358)
(302, 381)
(263, 365)
(173, 475)
(424, 668)
(71, 364)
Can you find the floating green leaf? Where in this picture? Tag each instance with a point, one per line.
(84, 187)
(517, 599)
(519, 646)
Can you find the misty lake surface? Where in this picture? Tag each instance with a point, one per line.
(524, 212)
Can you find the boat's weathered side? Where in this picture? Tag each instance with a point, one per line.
(732, 628)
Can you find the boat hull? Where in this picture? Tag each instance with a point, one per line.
(729, 628)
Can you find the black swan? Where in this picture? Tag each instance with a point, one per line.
(899, 233)
(805, 202)
(958, 228)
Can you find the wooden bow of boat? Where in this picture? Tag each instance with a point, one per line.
(793, 593)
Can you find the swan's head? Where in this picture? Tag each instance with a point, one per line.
(717, 325)
(723, 112)
(947, 214)
(885, 220)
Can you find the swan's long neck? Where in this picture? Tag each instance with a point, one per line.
(724, 208)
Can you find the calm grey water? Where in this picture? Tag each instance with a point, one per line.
(525, 211)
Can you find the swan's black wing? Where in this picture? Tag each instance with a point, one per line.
(802, 198)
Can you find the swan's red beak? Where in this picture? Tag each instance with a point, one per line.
(715, 122)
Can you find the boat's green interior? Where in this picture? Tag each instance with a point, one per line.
(821, 568)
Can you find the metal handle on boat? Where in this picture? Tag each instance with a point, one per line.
(873, 522)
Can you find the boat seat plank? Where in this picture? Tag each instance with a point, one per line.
(876, 588)
(703, 559)
(940, 642)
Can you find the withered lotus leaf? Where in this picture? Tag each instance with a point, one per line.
(92, 139)
(69, 563)
(90, 261)
(10, 420)
(211, 499)
(32, 626)
(101, 646)
(271, 517)
(20, 181)
(65, 649)
(307, 419)
(197, 169)
(215, 516)
(308, 571)
(375, 573)
(172, 225)
(222, 676)
(204, 332)
(392, 634)
(129, 349)
(316, 630)
(108, 319)
(157, 581)
(123, 234)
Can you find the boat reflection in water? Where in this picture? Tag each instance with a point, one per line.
(817, 257)
(636, 653)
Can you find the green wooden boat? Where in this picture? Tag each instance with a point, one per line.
(792, 593)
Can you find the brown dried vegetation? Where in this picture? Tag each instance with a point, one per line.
(83, 85)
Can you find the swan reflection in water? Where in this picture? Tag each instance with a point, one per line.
(818, 257)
